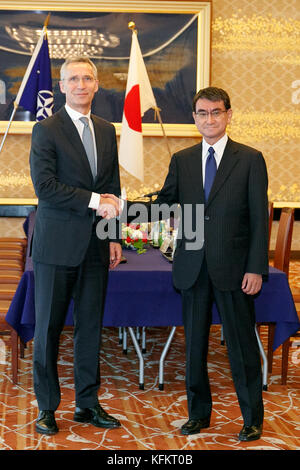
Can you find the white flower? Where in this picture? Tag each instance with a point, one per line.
(136, 234)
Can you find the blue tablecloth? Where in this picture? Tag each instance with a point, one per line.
(141, 293)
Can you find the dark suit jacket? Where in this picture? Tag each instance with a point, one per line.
(63, 183)
(235, 217)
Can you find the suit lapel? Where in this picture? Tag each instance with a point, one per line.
(195, 177)
(229, 159)
(99, 137)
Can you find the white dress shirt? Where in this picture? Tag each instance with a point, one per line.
(218, 147)
(75, 116)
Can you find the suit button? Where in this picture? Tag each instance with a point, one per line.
(206, 217)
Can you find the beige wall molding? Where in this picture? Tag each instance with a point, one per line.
(153, 6)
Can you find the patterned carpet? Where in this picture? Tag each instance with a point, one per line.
(150, 417)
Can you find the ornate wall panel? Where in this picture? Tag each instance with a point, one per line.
(256, 57)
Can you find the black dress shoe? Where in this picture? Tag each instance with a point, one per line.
(45, 423)
(250, 433)
(96, 416)
(194, 426)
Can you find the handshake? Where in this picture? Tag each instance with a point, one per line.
(110, 206)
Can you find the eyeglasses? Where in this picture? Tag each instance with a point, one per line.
(75, 79)
(216, 113)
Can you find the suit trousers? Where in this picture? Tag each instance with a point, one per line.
(54, 288)
(237, 314)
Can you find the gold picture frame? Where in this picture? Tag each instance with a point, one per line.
(200, 8)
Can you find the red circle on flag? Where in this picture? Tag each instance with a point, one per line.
(132, 109)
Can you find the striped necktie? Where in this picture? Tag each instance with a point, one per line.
(88, 143)
(210, 172)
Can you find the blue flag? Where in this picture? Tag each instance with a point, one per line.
(36, 93)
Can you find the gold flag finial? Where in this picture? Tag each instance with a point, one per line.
(131, 25)
(47, 20)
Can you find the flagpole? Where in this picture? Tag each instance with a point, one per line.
(8, 126)
(24, 81)
(157, 112)
(131, 25)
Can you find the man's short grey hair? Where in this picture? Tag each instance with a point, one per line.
(76, 59)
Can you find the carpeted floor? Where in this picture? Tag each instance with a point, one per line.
(151, 417)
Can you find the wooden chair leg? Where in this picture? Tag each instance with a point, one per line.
(285, 361)
(14, 355)
(22, 349)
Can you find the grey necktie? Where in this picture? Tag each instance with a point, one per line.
(87, 140)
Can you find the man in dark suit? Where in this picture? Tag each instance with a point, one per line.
(229, 180)
(228, 269)
(73, 160)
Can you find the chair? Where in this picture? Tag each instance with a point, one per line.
(281, 261)
(286, 348)
(8, 285)
(14, 240)
(12, 261)
(284, 240)
(271, 215)
(11, 265)
(9, 245)
(11, 255)
(7, 329)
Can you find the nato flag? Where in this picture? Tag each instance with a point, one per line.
(37, 96)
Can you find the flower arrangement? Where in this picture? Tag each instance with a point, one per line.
(135, 237)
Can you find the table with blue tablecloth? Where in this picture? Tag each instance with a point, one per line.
(140, 293)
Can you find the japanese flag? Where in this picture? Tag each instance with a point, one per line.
(139, 98)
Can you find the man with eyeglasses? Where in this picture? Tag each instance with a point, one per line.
(230, 181)
(73, 160)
